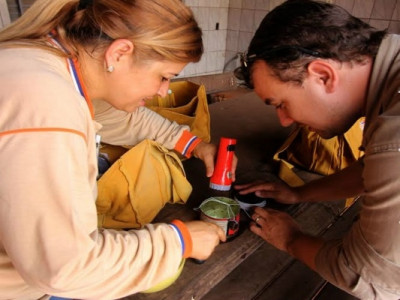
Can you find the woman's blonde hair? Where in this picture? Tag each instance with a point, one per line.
(159, 29)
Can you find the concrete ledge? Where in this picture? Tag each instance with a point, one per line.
(220, 87)
(216, 82)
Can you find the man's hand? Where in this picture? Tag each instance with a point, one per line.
(279, 191)
(280, 230)
(275, 227)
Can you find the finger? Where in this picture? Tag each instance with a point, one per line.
(256, 229)
(260, 221)
(262, 212)
(221, 235)
(265, 194)
(247, 190)
(257, 188)
(242, 186)
(209, 163)
(234, 165)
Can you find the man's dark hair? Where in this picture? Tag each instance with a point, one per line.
(298, 31)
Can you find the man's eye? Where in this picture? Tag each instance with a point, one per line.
(163, 79)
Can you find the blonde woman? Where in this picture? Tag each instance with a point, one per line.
(57, 58)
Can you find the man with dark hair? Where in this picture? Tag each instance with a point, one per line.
(324, 69)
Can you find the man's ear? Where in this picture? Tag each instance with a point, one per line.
(323, 72)
(117, 51)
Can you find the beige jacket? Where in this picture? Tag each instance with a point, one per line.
(366, 262)
(129, 129)
(49, 240)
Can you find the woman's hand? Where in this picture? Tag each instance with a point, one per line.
(205, 237)
(279, 191)
(207, 153)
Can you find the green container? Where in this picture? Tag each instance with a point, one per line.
(220, 207)
(222, 211)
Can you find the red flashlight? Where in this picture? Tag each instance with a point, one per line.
(221, 179)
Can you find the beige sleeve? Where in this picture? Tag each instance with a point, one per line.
(48, 224)
(49, 240)
(122, 128)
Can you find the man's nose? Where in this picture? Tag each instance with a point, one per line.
(284, 119)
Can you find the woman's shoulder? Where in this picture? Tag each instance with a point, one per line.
(37, 83)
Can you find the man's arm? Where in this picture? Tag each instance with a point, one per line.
(343, 184)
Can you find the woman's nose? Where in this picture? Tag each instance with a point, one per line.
(163, 91)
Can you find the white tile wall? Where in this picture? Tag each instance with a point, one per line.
(239, 19)
(363, 8)
(4, 14)
(383, 9)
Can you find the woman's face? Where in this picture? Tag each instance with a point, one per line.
(132, 83)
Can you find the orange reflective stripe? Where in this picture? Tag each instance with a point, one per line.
(187, 242)
(49, 129)
(186, 143)
(75, 72)
(84, 90)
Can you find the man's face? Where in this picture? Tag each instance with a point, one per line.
(308, 104)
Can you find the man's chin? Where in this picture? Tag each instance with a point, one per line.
(324, 134)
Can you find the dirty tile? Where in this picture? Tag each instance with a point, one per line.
(379, 24)
(213, 18)
(189, 70)
(212, 61)
(275, 3)
(247, 20)
(249, 4)
(224, 3)
(206, 33)
(346, 4)
(262, 4)
(235, 3)
(192, 3)
(231, 61)
(215, 3)
(363, 8)
(394, 27)
(234, 19)
(216, 40)
(396, 11)
(205, 3)
(383, 9)
(201, 66)
(259, 16)
(223, 18)
(232, 39)
(195, 12)
(203, 17)
(244, 40)
(220, 61)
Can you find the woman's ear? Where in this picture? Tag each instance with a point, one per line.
(324, 73)
(118, 51)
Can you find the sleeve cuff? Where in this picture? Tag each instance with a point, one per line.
(187, 143)
(184, 236)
